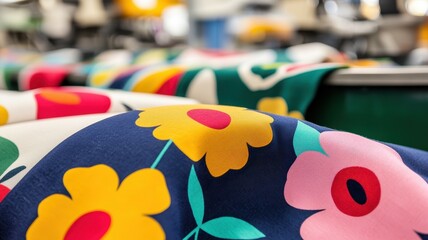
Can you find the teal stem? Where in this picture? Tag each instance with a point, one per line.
(197, 234)
(194, 231)
(159, 158)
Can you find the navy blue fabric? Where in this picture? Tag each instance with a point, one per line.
(120, 82)
(254, 193)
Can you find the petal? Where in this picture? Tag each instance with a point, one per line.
(354, 149)
(95, 182)
(331, 226)
(396, 179)
(260, 135)
(157, 116)
(195, 139)
(145, 191)
(411, 207)
(180, 128)
(192, 146)
(139, 227)
(320, 226)
(54, 218)
(296, 115)
(222, 157)
(254, 128)
(148, 119)
(275, 105)
(309, 182)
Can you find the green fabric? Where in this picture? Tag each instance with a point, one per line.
(9, 153)
(298, 90)
(9, 74)
(186, 80)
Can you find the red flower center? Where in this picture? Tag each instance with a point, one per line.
(211, 118)
(356, 191)
(3, 192)
(90, 226)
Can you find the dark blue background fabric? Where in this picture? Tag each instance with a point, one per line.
(254, 193)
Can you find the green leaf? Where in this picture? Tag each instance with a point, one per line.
(12, 173)
(231, 228)
(8, 154)
(305, 139)
(196, 197)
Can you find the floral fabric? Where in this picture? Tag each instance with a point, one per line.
(210, 131)
(355, 189)
(245, 79)
(96, 199)
(44, 103)
(208, 172)
(104, 164)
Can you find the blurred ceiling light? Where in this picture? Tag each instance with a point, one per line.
(145, 4)
(370, 2)
(417, 7)
(370, 9)
(144, 8)
(331, 7)
(175, 21)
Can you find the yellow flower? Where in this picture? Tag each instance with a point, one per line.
(98, 207)
(220, 133)
(277, 106)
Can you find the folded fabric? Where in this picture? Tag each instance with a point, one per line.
(215, 172)
(45, 103)
(282, 82)
(22, 145)
(284, 89)
(26, 70)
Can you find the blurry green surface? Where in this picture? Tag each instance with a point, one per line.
(391, 114)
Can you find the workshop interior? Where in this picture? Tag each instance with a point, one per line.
(320, 77)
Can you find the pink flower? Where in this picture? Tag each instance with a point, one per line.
(363, 188)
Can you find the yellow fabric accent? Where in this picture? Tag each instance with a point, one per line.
(259, 29)
(60, 97)
(97, 188)
(423, 34)
(129, 8)
(296, 114)
(152, 57)
(4, 115)
(277, 106)
(153, 81)
(104, 77)
(223, 149)
(271, 66)
(363, 63)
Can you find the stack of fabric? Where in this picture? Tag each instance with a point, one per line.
(278, 82)
(97, 162)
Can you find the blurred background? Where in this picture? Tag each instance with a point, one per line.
(383, 94)
(359, 28)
